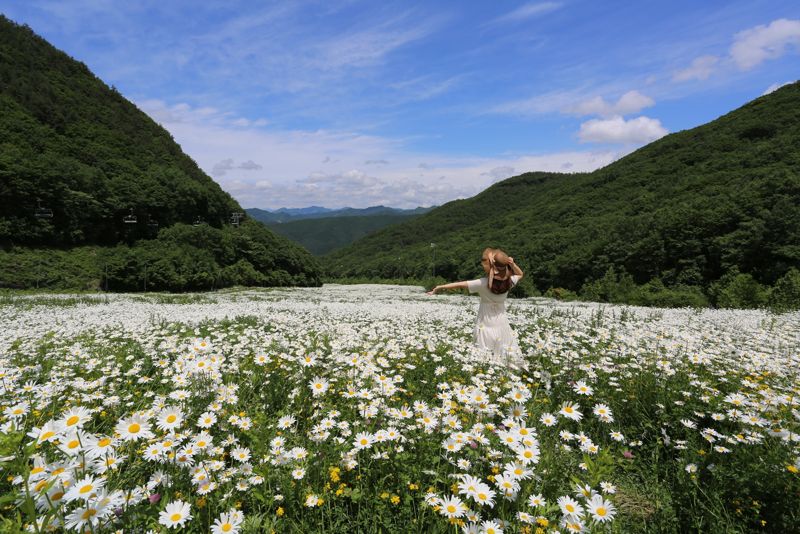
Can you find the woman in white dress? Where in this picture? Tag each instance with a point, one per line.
(492, 331)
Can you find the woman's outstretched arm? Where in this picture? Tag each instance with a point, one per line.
(452, 285)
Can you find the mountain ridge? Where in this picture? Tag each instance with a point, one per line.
(683, 211)
(81, 167)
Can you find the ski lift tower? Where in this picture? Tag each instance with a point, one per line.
(42, 212)
(130, 218)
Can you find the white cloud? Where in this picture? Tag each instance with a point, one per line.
(527, 11)
(700, 69)
(756, 45)
(221, 168)
(361, 170)
(500, 173)
(618, 130)
(250, 165)
(630, 102)
(775, 87)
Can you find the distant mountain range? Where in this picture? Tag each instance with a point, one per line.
(322, 230)
(285, 215)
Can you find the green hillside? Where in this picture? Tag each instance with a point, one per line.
(323, 235)
(76, 150)
(705, 212)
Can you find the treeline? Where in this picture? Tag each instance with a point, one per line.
(182, 258)
(322, 235)
(678, 219)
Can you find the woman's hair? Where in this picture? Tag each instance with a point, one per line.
(499, 268)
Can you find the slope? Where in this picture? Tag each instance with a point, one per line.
(683, 211)
(76, 151)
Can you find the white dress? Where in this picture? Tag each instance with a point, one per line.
(492, 331)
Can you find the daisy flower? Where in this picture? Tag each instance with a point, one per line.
(227, 523)
(570, 506)
(89, 515)
(491, 527)
(286, 421)
(206, 420)
(318, 386)
(133, 428)
(84, 489)
(569, 411)
(48, 432)
(175, 514)
(601, 509)
(581, 388)
(364, 440)
(241, 454)
(75, 417)
(603, 413)
(617, 436)
(535, 501)
(169, 419)
(452, 507)
(99, 446)
(548, 419)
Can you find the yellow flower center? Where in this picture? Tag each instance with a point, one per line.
(227, 527)
(570, 508)
(86, 489)
(134, 428)
(47, 435)
(175, 517)
(601, 511)
(451, 508)
(88, 514)
(171, 418)
(57, 496)
(37, 469)
(73, 420)
(74, 443)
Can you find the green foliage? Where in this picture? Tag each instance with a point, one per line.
(74, 146)
(323, 235)
(738, 290)
(785, 295)
(683, 210)
(559, 293)
(182, 258)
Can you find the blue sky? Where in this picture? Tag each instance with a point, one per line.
(408, 103)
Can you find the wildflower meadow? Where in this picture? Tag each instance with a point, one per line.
(367, 409)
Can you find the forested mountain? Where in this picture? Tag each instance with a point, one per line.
(694, 211)
(322, 235)
(321, 230)
(79, 163)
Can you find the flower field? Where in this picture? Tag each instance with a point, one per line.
(367, 409)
